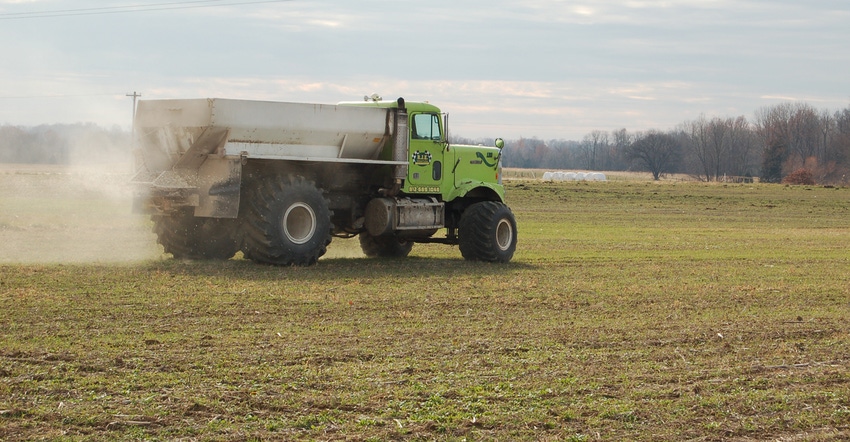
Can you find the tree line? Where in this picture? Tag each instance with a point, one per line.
(781, 141)
(64, 144)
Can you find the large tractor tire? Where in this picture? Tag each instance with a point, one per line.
(384, 246)
(487, 232)
(186, 236)
(286, 222)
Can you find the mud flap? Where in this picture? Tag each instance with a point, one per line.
(219, 181)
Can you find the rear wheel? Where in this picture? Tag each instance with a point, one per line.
(186, 236)
(384, 246)
(487, 232)
(287, 222)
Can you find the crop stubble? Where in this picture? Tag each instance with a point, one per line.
(632, 310)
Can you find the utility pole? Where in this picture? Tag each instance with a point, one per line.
(135, 96)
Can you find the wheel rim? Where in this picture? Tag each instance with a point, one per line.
(504, 234)
(299, 223)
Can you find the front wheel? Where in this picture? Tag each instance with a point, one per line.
(286, 223)
(487, 232)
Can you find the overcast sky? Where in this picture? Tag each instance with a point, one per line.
(545, 68)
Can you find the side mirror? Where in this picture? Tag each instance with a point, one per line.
(500, 143)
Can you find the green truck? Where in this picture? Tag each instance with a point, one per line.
(279, 180)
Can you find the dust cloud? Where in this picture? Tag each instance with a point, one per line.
(51, 214)
(75, 213)
(80, 210)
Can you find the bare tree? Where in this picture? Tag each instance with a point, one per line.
(698, 136)
(839, 149)
(804, 127)
(743, 148)
(773, 128)
(621, 140)
(827, 128)
(592, 147)
(656, 151)
(720, 146)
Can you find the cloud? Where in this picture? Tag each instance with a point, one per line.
(541, 67)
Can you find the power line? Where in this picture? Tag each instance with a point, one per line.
(131, 8)
(27, 97)
(104, 8)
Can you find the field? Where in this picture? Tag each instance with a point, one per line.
(632, 310)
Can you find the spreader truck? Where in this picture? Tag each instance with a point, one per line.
(278, 180)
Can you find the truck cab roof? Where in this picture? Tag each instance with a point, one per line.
(411, 106)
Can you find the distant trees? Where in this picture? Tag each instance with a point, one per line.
(744, 149)
(839, 152)
(719, 147)
(797, 136)
(594, 148)
(11, 140)
(780, 140)
(63, 144)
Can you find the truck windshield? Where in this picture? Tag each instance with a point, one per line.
(426, 127)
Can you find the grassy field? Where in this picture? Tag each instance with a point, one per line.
(632, 311)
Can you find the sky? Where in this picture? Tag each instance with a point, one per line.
(548, 69)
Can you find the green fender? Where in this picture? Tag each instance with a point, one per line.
(477, 189)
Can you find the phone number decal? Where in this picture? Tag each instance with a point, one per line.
(425, 189)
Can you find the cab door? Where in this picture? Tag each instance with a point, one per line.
(426, 151)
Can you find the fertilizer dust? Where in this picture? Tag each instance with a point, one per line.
(83, 214)
(71, 214)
